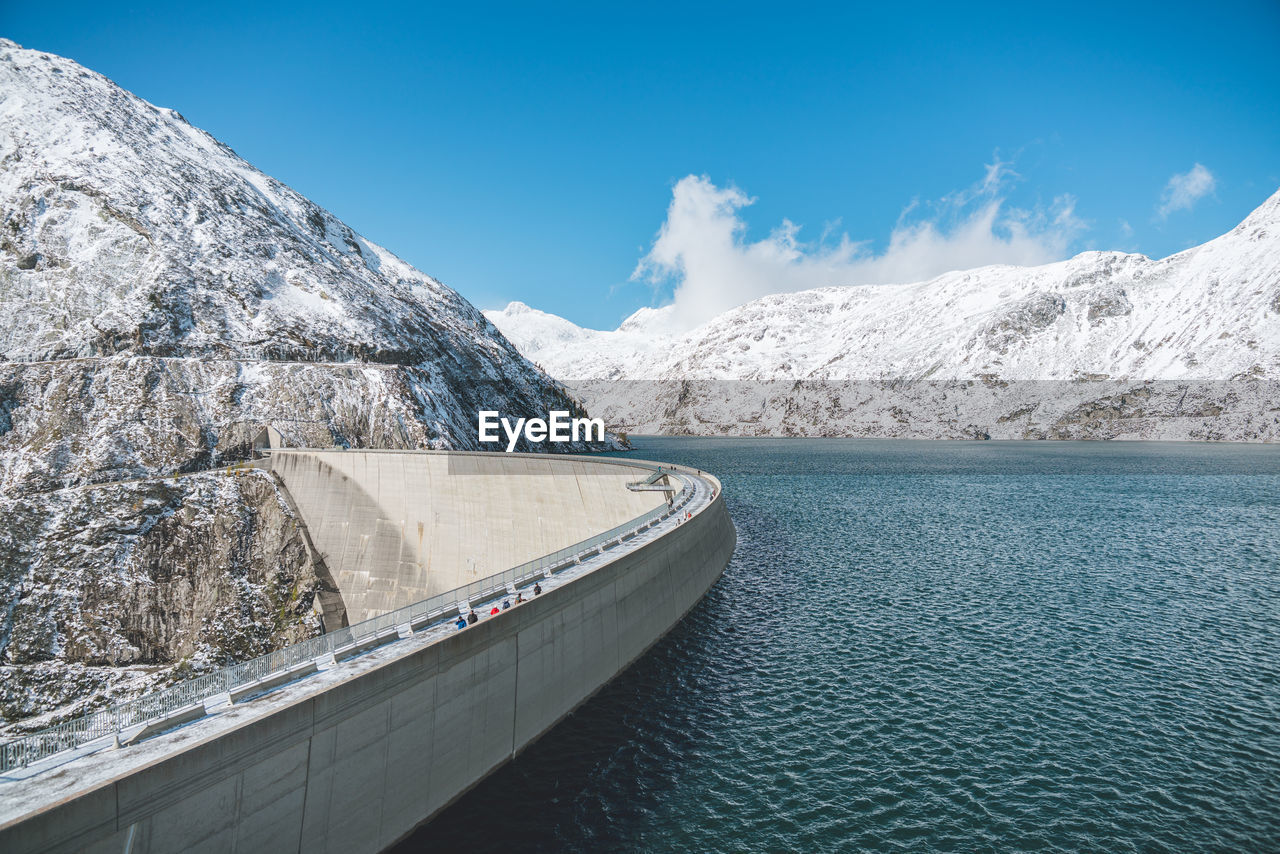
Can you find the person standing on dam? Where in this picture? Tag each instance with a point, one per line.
(537, 590)
(461, 624)
(471, 617)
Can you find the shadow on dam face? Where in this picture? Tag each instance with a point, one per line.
(357, 756)
(397, 528)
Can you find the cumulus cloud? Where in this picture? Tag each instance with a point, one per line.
(1185, 189)
(702, 246)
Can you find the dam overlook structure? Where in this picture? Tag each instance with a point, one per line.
(351, 740)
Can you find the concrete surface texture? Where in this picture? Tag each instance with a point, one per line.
(397, 528)
(355, 757)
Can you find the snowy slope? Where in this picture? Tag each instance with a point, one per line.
(128, 230)
(1209, 312)
(142, 244)
(162, 303)
(573, 351)
(1208, 315)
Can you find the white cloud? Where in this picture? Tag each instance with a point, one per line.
(1185, 189)
(702, 246)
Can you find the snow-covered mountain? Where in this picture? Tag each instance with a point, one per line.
(164, 303)
(1029, 344)
(130, 235)
(572, 351)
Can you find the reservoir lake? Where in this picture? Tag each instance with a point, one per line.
(938, 646)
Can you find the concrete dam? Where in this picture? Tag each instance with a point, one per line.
(349, 741)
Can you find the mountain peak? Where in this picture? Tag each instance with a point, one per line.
(165, 301)
(1267, 213)
(1210, 312)
(127, 230)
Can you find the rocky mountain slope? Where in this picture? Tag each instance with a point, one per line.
(163, 303)
(1102, 345)
(114, 589)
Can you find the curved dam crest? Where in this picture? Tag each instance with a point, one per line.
(395, 528)
(353, 758)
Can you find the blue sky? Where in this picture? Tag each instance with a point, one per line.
(531, 152)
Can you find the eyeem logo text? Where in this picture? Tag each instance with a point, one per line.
(558, 427)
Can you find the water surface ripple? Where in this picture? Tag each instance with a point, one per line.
(928, 646)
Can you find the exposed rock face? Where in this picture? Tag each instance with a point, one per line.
(985, 408)
(164, 304)
(1109, 303)
(78, 421)
(1022, 321)
(194, 571)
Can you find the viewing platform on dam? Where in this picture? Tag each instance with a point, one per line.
(350, 740)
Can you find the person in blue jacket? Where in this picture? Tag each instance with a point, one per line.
(461, 624)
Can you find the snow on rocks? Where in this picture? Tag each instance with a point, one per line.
(1199, 331)
(164, 303)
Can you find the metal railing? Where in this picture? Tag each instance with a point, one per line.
(73, 733)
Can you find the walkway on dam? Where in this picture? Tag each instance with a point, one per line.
(71, 773)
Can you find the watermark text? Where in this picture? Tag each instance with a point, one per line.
(557, 427)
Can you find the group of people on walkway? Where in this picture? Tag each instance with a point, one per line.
(472, 618)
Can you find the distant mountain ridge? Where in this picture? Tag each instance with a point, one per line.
(1101, 321)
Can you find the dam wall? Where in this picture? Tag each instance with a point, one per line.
(396, 528)
(355, 764)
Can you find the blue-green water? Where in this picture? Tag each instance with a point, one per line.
(931, 646)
